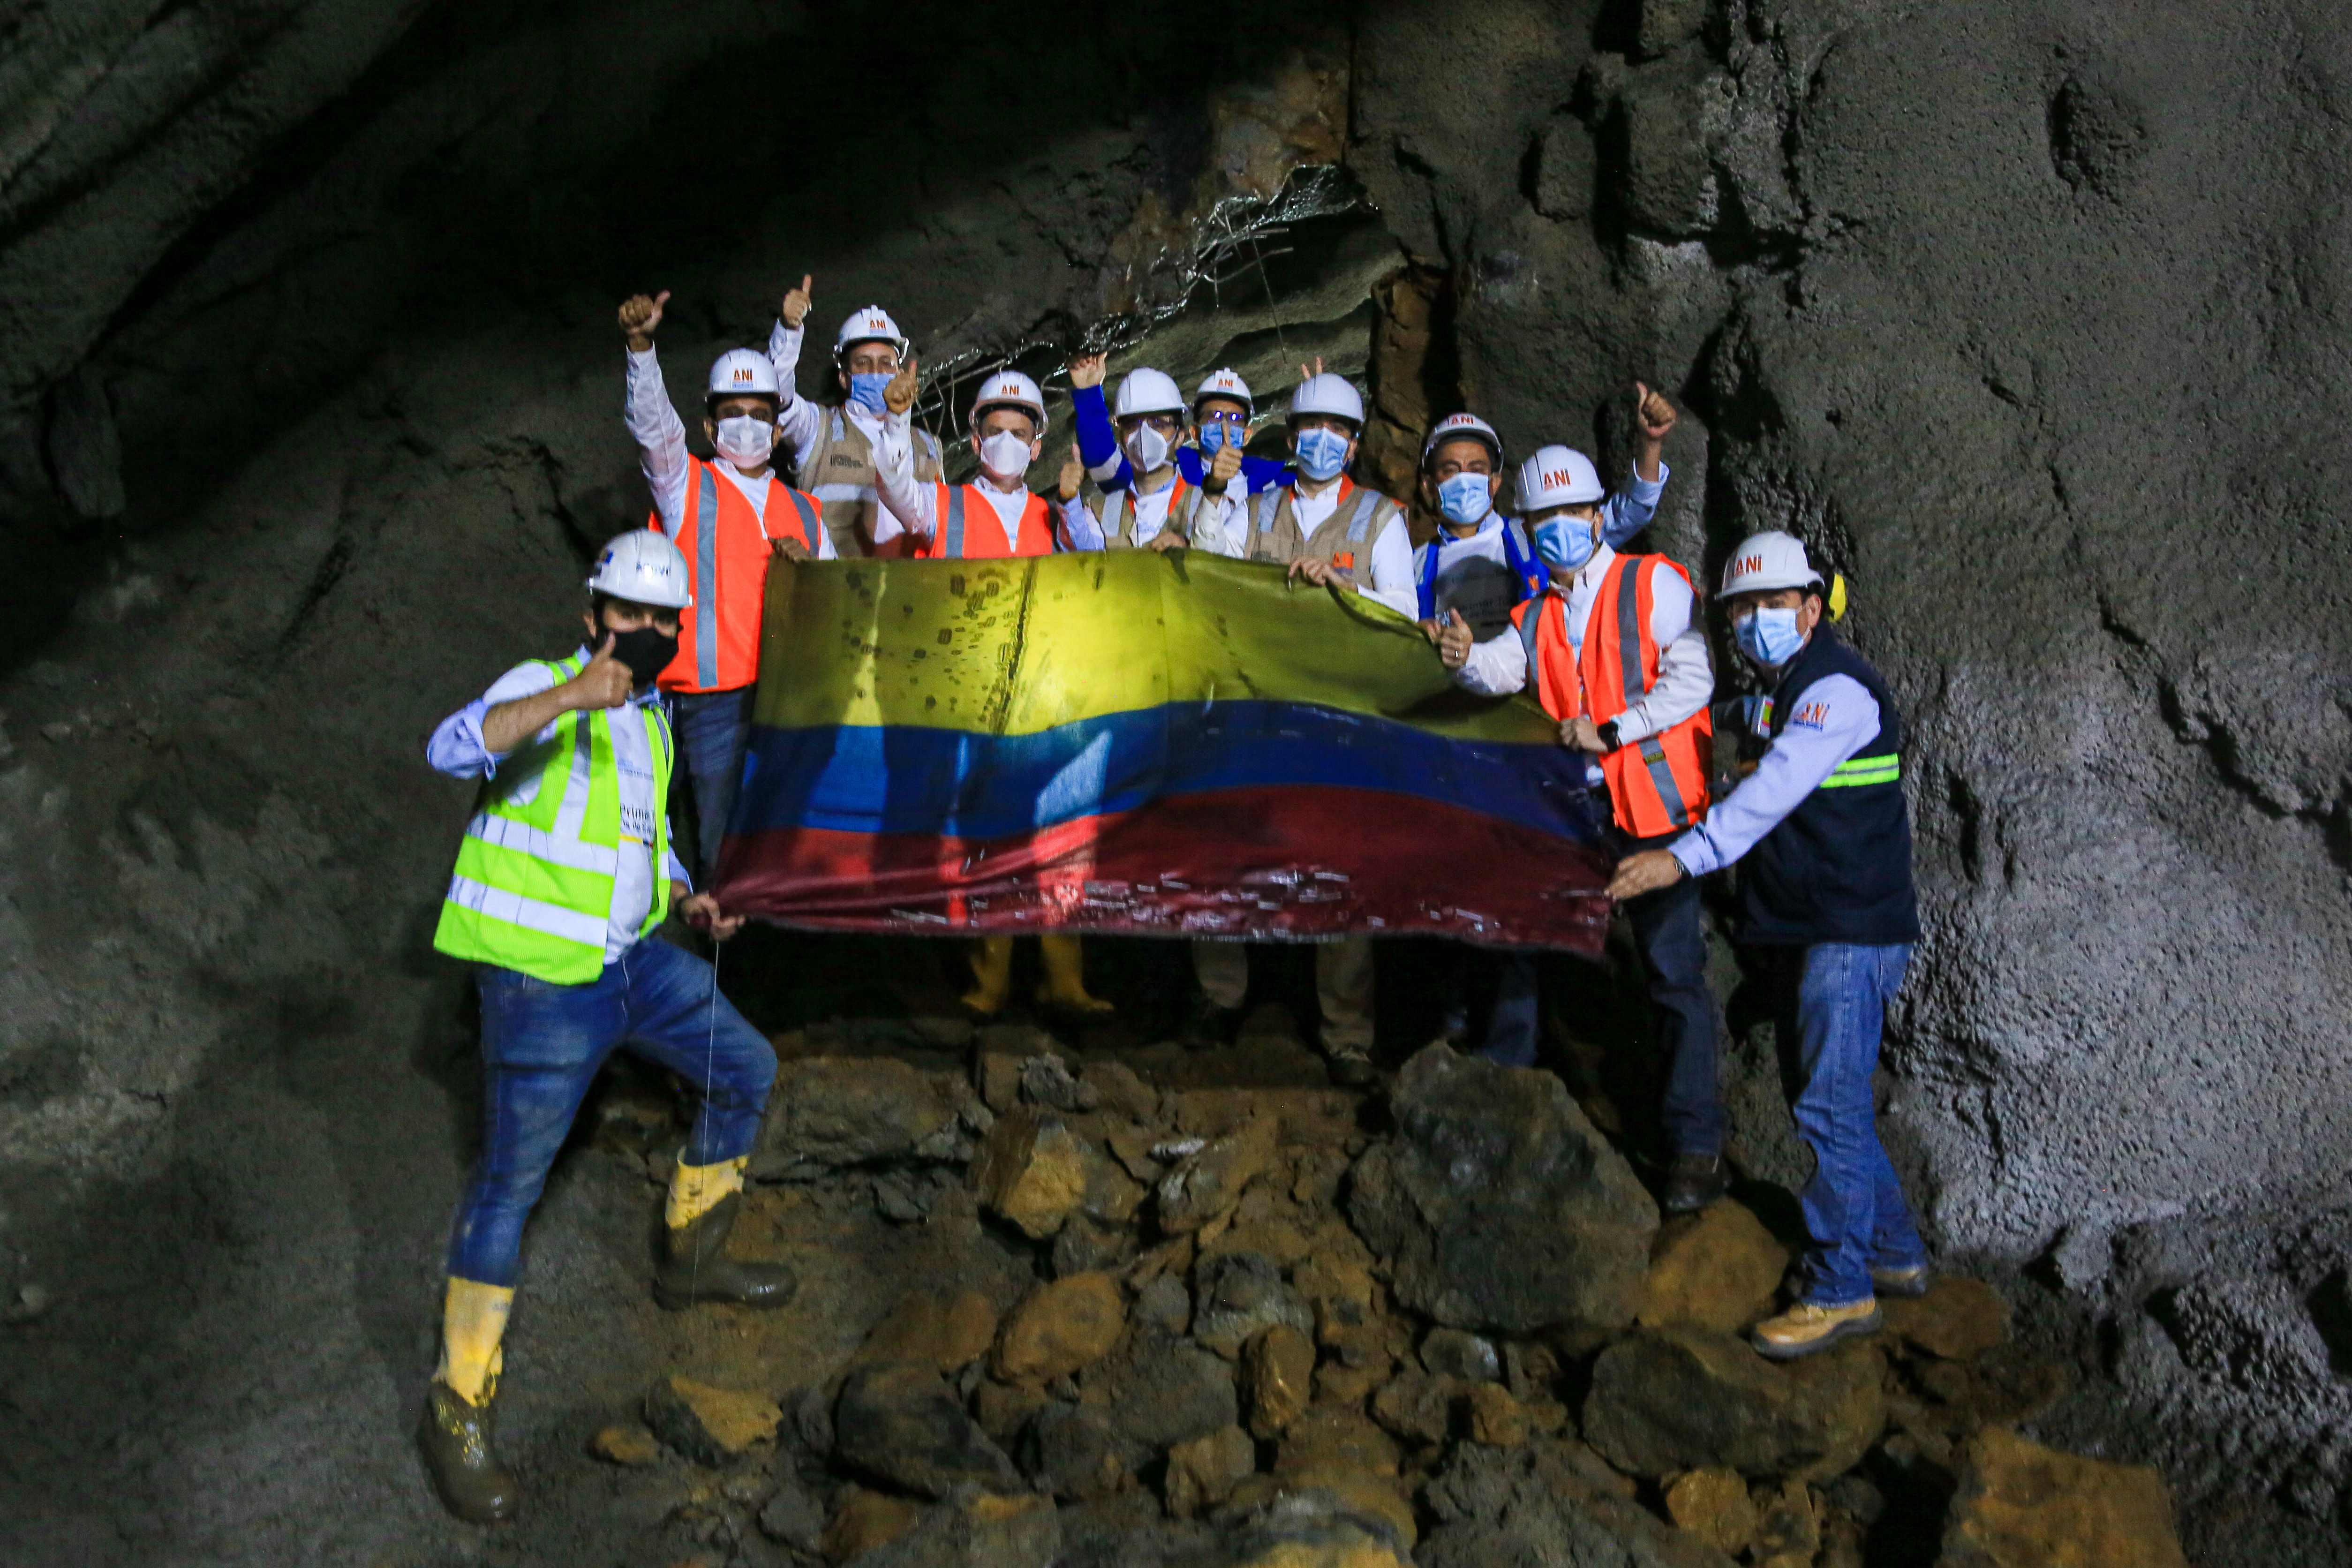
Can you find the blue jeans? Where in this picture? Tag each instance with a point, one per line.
(1854, 1206)
(1673, 957)
(541, 1047)
(713, 730)
(1513, 1016)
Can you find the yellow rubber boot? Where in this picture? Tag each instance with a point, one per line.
(992, 973)
(1066, 976)
(473, 1322)
(456, 1437)
(703, 1203)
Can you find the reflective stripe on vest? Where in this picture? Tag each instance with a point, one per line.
(1532, 576)
(1124, 507)
(954, 537)
(1630, 637)
(719, 642)
(1859, 771)
(533, 884)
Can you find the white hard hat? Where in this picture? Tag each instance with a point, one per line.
(741, 372)
(1765, 561)
(1459, 426)
(1009, 388)
(1227, 382)
(870, 325)
(1557, 476)
(645, 568)
(1328, 394)
(1148, 391)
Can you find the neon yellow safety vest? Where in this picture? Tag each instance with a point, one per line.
(534, 886)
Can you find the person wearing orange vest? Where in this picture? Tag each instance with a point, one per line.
(1614, 650)
(729, 515)
(995, 518)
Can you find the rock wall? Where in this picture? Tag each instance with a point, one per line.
(2029, 318)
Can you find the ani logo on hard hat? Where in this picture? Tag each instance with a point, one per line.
(742, 374)
(1553, 480)
(1748, 564)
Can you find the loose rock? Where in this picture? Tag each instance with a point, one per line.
(1036, 1173)
(1058, 1329)
(629, 1445)
(981, 1530)
(866, 1521)
(1678, 1399)
(1463, 1357)
(1714, 1505)
(1718, 1269)
(826, 1112)
(2020, 1505)
(1207, 1184)
(1239, 1295)
(900, 1424)
(794, 1517)
(1498, 1206)
(1496, 1418)
(710, 1425)
(1156, 1391)
(1203, 1472)
(1278, 1373)
(946, 1330)
(1071, 1451)
(1534, 1505)
(1958, 1319)
(1415, 1406)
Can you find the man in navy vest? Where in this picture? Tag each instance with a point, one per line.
(1823, 838)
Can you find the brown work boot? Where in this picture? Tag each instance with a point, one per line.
(695, 1266)
(1805, 1329)
(1694, 1182)
(1909, 1282)
(460, 1455)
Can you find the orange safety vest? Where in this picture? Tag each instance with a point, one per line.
(726, 568)
(1655, 785)
(969, 529)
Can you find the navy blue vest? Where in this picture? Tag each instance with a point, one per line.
(1837, 868)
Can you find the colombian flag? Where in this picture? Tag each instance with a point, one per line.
(1147, 743)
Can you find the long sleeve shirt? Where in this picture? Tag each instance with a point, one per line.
(799, 422)
(915, 507)
(660, 436)
(1109, 468)
(1840, 717)
(1498, 665)
(1082, 523)
(457, 749)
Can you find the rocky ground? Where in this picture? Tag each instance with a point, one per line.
(1085, 1298)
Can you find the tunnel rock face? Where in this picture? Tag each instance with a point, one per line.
(2031, 321)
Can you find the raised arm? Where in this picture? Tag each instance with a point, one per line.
(653, 423)
(797, 420)
(914, 505)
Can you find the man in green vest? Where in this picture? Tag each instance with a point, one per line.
(562, 878)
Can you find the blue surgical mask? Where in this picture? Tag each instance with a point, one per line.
(1213, 435)
(1564, 543)
(866, 391)
(1467, 498)
(1771, 637)
(1322, 453)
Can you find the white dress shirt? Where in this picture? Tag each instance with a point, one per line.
(655, 426)
(1498, 665)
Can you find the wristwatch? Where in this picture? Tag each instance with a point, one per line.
(1608, 732)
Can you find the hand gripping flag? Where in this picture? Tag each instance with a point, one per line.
(1142, 742)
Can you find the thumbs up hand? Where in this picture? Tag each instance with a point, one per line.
(1453, 640)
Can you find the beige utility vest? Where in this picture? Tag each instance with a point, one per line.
(839, 472)
(1118, 515)
(1347, 532)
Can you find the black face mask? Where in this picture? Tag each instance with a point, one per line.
(646, 651)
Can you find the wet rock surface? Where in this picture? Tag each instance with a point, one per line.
(1499, 1205)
